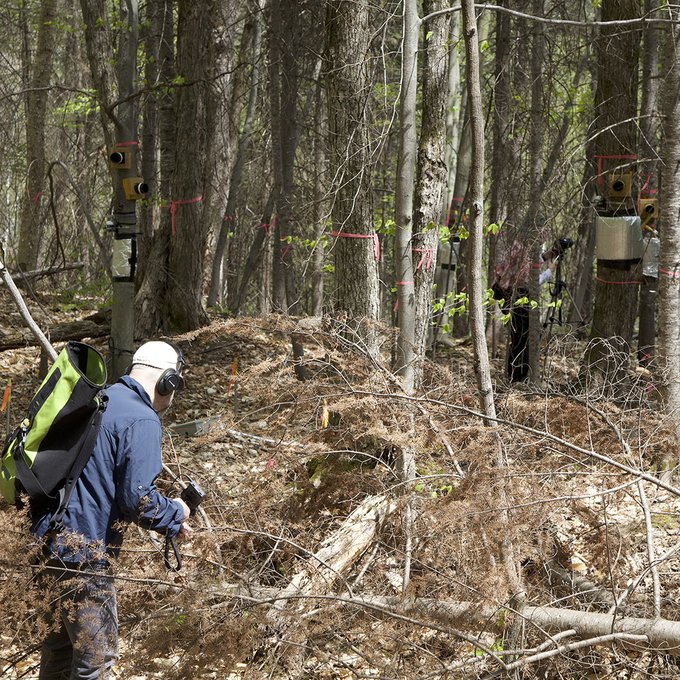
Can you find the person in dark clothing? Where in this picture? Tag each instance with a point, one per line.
(116, 486)
(512, 284)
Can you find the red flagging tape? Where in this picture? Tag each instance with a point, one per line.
(173, 205)
(346, 234)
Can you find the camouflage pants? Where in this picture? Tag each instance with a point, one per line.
(83, 640)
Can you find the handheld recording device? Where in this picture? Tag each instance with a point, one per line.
(192, 495)
(558, 247)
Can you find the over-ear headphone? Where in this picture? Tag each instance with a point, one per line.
(171, 379)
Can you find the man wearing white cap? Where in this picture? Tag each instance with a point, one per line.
(117, 485)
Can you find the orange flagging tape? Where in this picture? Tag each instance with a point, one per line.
(6, 397)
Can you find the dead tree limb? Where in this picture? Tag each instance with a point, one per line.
(341, 549)
(26, 315)
(96, 325)
(48, 271)
(662, 635)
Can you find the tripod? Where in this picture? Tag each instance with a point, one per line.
(555, 309)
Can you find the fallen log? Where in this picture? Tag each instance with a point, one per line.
(340, 550)
(662, 635)
(49, 271)
(96, 325)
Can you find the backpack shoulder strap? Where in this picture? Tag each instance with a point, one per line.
(84, 452)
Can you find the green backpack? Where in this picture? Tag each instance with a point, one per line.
(45, 455)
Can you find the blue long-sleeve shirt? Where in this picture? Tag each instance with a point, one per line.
(118, 482)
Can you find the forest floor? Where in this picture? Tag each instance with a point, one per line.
(289, 451)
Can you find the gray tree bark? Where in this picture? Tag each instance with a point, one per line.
(669, 265)
(476, 201)
(354, 240)
(647, 173)
(229, 223)
(283, 82)
(431, 175)
(616, 292)
(192, 191)
(149, 299)
(114, 75)
(408, 142)
(36, 108)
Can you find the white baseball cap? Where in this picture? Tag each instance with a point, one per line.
(156, 354)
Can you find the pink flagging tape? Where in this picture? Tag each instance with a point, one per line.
(400, 283)
(132, 143)
(426, 257)
(670, 273)
(173, 205)
(346, 234)
(36, 198)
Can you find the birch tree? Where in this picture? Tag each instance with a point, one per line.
(404, 195)
(669, 265)
(431, 174)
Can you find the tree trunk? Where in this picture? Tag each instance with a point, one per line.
(647, 174)
(36, 107)
(615, 101)
(476, 198)
(320, 183)
(455, 102)
(404, 196)
(283, 70)
(430, 176)
(191, 195)
(476, 201)
(349, 92)
(124, 209)
(504, 156)
(580, 312)
(225, 272)
(533, 219)
(460, 203)
(100, 56)
(151, 293)
(121, 83)
(152, 29)
(229, 223)
(669, 264)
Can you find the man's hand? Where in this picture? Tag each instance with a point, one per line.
(185, 531)
(185, 508)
